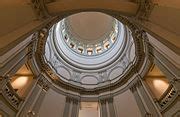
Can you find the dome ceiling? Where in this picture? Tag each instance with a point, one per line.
(85, 73)
(80, 68)
(90, 27)
(88, 33)
(76, 53)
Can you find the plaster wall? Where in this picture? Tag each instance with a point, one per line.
(52, 105)
(125, 105)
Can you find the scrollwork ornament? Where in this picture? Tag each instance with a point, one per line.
(103, 76)
(145, 9)
(76, 76)
(40, 9)
(43, 82)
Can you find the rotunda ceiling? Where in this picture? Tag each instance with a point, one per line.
(65, 58)
(90, 27)
(63, 55)
(88, 33)
(84, 55)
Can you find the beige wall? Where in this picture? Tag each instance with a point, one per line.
(23, 84)
(168, 3)
(52, 105)
(157, 82)
(88, 113)
(89, 109)
(22, 81)
(172, 16)
(158, 86)
(126, 106)
(14, 14)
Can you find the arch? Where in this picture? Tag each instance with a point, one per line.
(89, 79)
(115, 72)
(63, 71)
(131, 54)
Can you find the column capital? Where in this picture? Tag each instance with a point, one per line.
(43, 82)
(6, 77)
(174, 80)
(135, 84)
(102, 101)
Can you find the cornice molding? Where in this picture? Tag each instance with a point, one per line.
(43, 82)
(31, 47)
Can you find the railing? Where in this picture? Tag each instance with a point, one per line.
(167, 98)
(9, 93)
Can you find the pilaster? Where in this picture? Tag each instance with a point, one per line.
(144, 100)
(107, 107)
(103, 109)
(71, 107)
(35, 99)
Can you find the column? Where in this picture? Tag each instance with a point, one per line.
(33, 102)
(39, 101)
(67, 107)
(75, 108)
(166, 66)
(111, 107)
(142, 108)
(103, 109)
(148, 100)
(71, 107)
(29, 102)
(144, 100)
